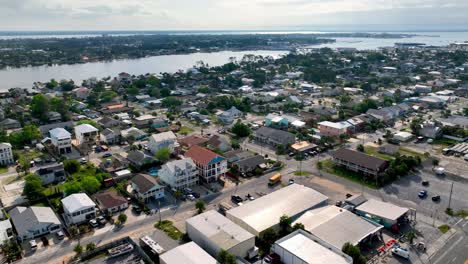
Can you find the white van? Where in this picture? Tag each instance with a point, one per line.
(33, 244)
(404, 253)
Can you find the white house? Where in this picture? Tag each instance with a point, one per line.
(34, 221)
(61, 139)
(78, 208)
(179, 174)
(108, 136)
(162, 140)
(85, 133)
(6, 155)
(6, 231)
(146, 187)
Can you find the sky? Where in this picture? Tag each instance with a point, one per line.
(233, 14)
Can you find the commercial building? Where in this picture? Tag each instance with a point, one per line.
(303, 146)
(189, 253)
(162, 140)
(78, 208)
(214, 232)
(360, 162)
(337, 226)
(85, 133)
(210, 165)
(179, 174)
(61, 139)
(34, 221)
(6, 154)
(403, 136)
(334, 129)
(301, 247)
(386, 214)
(265, 212)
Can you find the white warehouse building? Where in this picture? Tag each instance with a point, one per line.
(214, 232)
(265, 212)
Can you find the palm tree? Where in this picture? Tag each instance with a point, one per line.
(200, 205)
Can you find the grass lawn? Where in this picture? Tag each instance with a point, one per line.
(373, 151)
(406, 151)
(444, 228)
(444, 142)
(302, 173)
(40, 204)
(330, 167)
(184, 130)
(168, 228)
(53, 189)
(3, 169)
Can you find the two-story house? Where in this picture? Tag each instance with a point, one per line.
(61, 139)
(51, 173)
(210, 165)
(78, 208)
(6, 154)
(228, 116)
(179, 174)
(159, 141)
(34, 221)
(146, 187)
(86, 133)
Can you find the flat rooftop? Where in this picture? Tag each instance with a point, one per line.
(382, 209)
(189, 253)
(337, 226)
(219, 229)
(265, 212)
(311, 249)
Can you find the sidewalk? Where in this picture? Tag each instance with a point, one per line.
(437, 245)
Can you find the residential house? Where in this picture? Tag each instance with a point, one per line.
(210, 165)
(192, 140)
(9, 123)
(53, 117)
(218, 143)
(34, 221)
(236, 155)
(334, 129)
(108, 122)
(138, 158)
(430, 129)
(228, 116)
(6, 231)
(110, 202)
(249, 164)
(61, 140)
(162, 140)
(146, 187)
(86, 133)
(145, 121)
(133, 133)
(274, 120)
(360, 162)
(179, 174)
(81, 93)
(78, 208)
(6, 154)
(274, 137)
(45, 129)
(109, 136)
(51, 173)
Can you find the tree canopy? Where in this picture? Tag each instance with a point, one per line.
(33, 188)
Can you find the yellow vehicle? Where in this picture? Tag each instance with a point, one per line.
(275, 179)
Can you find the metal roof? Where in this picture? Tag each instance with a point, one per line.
(265, 212)
(76, 202)
(382, 209)
(220, 230)
(189, 253)
(337, 226)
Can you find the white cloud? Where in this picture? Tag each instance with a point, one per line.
(223, 14)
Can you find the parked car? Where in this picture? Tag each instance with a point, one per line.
(422, 194)
(401, 252)
(196, 195)
(83, 161)
(250, 197)
(106, 155)
(33, 244)
(272, 259)
(60, 235)
(101, 220)
(436, 198)
(93, 223)
(236, 199)
(191, 197)
(291, 181)
(137, 209)
(425, 183)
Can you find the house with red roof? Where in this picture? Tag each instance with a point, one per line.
(210, 165)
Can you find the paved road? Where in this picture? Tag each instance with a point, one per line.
(455, 250)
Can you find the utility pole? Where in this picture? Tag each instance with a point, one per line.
(450, 199)
(159, 210)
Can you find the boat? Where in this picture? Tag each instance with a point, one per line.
(120, 250)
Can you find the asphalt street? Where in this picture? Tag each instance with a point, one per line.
(455, 250)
